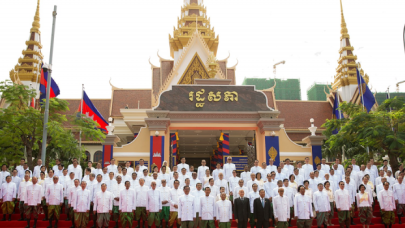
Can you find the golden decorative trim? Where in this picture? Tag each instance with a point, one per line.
(195, 70)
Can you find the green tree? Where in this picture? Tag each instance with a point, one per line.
(21, 128)
(382, 131)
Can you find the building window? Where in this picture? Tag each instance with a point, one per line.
(88, 156)
(98, 157)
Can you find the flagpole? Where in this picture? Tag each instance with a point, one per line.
(48, 88)
(81, 113)
(361, 89)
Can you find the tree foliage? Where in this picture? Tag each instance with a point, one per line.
(381, 131)
(21, 128)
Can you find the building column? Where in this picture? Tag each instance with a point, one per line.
(158, 126)
(269, 127)
(157, 149)
(315, 142)
(108, 145)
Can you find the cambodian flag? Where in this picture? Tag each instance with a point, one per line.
(91, 111)
(43, 84)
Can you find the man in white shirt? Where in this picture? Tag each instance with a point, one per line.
(281, 209)
(112, 167)
(245, 175)
(325, 167)
(201, 171)
(223, 211)
(22, 193)
(127, 205)
(288, 167)
(233, 182)
(8, 193)
(256, 168)
(134, 181)
(194, 180)
(280, 175)
(183, 164)
(141, 193)
(268, 187)
(264, 171)
(116, 202)
(217, 171)
(142, 165)
(183, 175)
(371, 173)
(153, 205)
(251, 182)
(98, 170)
(32, 195)
(59, 172)
(20, 168)
(155, 179)
(96, 188)
(175, 193)
(56, 166)
(103, 203)
(303, 209)
(343, 204)
(356, 168)
(221, 182)
(54, 200)
(387, 205)
(399, 195)
(71, 194)
(165, 198)
(308, 168)
(130, 170)
(111, 182)
(298, 178)
(340, 167)
(236, 190)
(81, 206)
(322, 206)
(254, 194)
(321, 173)
(186, 209)
(207, 209)
(76, 168)
(37, 168)
(271, 167)
(198, 193)
(228, 168)
(164, 175)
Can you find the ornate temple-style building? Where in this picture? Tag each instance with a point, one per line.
(196, 108)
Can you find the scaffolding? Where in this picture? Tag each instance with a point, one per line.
(316, 92)
(289, 89)
(382, 96)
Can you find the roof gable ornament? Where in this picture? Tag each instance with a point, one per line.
(195, 70)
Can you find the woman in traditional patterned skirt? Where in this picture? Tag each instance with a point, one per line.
(331, 201)
(364, 202)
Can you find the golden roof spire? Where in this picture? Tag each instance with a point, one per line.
(35, 24)
(28, 67)
(193, 17)
(343, 30)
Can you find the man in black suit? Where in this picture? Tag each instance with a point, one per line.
(263, 211)
(242, 210)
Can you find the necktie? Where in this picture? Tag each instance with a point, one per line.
(263, 202)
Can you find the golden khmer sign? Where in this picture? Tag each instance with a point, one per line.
(213, 98)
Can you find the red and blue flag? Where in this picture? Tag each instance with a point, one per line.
(44, 83)
(91, 111)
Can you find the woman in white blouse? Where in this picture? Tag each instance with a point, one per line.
(364, 202)
(260, 181)
(207, 177)
(167, 168)
(293, 184)
(331, 201)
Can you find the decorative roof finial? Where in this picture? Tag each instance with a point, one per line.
(35, 24)
(343, 30)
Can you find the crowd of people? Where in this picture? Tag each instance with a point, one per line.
(262, 196)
